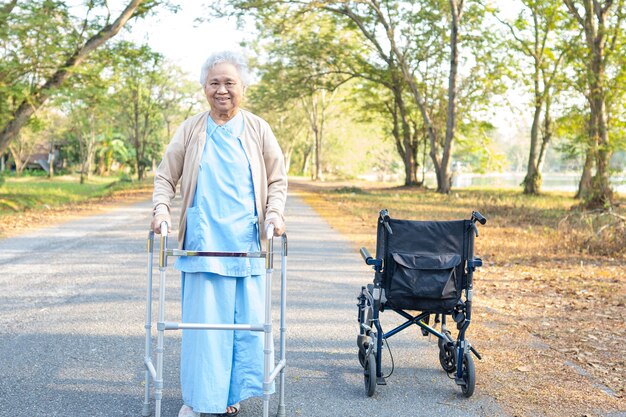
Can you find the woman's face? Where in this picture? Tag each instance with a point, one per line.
(224, 89)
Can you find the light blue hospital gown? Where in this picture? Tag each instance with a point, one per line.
(222, 367)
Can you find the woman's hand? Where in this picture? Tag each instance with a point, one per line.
(279, 225)
(161, 214)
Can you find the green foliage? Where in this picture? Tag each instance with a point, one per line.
(148, 96)
(475, 150)
(45, 44)
(37, 193)
(28, 56)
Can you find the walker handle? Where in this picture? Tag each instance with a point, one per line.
(162, 253)
(269, 231)
(164, 228)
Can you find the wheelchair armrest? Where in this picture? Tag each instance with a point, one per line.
(474, 263)
(369, 260)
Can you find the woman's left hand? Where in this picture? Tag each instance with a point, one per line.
(279, 225)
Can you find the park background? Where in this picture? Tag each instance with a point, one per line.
(428, 108)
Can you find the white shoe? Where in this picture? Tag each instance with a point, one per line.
(186, 411)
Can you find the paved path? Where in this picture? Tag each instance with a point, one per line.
(72, 306)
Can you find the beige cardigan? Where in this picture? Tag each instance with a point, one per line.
(182, 160)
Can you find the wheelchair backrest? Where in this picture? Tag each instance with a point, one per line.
(422, 259)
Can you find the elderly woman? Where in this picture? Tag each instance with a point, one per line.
(233, 184)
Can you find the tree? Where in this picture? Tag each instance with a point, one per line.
(112, 149)
(286, 123)
(410, 39)
(73, 42)
(382, 95)
(306, 62)
(417, 33)
(22, 148)
(87, 102)
(142, 93)
(538, 34)
(396, 26)
(602, 24)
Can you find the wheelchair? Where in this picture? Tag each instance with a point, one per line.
(422, 269)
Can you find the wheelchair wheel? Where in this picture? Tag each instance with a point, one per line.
(447, 357)
(469, 375)
(362, 358)
(369, 374)
(441, 342)
(367, 320)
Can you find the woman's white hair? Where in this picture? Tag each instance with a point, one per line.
(238, 60)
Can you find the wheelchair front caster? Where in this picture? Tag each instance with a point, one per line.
(447, 355)
(369, 374)
(469, 376)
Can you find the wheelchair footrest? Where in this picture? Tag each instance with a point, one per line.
(380, 380)
(475, 352)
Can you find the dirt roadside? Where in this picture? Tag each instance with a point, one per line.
(17, 223)
(549, 323)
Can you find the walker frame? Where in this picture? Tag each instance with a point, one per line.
(154, 374)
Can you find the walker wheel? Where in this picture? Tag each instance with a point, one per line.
(369, 374)
(469, 375)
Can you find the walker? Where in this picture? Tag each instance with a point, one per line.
(269, 375)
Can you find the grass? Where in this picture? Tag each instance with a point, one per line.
(27, 193)
(27, 201)
(549, 300)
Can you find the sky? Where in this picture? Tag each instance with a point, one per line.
(185, 42)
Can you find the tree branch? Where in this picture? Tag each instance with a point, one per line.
(29, 105)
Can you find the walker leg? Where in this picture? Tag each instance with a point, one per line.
(267, 329)
(283, 308)
(281, 405)
(158, 383)
(145, 411)
(266, 406)
(267, 345)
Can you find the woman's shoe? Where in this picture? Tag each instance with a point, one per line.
(186, 411)
(236, 406)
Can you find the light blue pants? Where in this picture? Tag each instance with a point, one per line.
(219, 368)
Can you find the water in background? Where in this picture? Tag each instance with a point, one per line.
(551, 182)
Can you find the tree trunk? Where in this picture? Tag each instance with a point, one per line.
(401, 132)
(32, 103)
(584, 185)
(601, 194)
(410, 173)
(317, 174)
(444, 177)
(546, 135)
(51, 160)
(593, 22)
(17, 160)
(532, 180)
(305, 160)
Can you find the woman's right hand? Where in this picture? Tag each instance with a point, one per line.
(161, 214)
